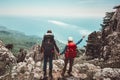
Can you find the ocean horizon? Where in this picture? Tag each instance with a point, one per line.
(62, 28)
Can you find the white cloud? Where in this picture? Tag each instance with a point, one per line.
(71, 27)
(52, 11)
(58, 23)
(64, 25)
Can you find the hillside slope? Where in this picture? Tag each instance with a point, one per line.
(18, 39)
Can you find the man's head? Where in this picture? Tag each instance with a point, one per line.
(49, 31)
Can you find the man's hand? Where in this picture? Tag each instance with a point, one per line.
(58, 54)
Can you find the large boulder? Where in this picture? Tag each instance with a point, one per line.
(7, 60)
(106, 45)
(107, 73)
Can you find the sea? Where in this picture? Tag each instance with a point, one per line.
(61, 27)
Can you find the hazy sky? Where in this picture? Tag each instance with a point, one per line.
(35, 17)
(57, 8)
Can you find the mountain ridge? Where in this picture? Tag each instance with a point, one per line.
(20, 39)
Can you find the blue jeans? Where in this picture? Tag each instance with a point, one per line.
(46, 59)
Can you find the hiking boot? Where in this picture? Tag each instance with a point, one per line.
(44, 75)
(50, 74)
(70, 74)
(62, 74)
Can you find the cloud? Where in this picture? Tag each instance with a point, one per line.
(58, 23)
(52, 11)
(64, 25)
(71, 27)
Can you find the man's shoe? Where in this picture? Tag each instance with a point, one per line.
(44, 75)
(51, 76)
(62, 74)
(70, 74)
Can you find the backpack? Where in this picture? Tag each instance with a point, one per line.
(71, 51)
(48, 44)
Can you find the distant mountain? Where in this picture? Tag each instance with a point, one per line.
(20, 40)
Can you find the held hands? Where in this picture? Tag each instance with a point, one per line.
(58, 54)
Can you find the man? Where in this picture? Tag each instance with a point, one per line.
(48, 46)
(70, 53)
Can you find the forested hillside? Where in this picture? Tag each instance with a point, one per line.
(18, 39)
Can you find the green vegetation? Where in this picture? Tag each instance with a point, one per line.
(18, 39)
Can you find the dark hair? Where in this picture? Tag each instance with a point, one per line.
(49, 31)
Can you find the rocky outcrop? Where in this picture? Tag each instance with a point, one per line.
(7, 60)
(93, 47)
(107, 74)
(21, 55)
(105, 43)
(29, 69)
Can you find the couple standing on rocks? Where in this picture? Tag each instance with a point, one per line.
(49, 47)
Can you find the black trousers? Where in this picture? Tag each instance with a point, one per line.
(70, 61)
(46, 59)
